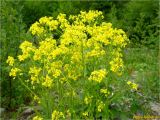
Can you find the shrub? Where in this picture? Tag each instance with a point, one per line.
(142, 23)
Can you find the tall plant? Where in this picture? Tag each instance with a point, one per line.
(74, 69)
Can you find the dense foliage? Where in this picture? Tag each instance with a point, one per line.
(12, 34)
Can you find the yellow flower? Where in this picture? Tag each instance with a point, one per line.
(96, 52)
(98, 75)
(101, 106)
(116, 64)
(36, 29)
(21, 57)
(53, 24)
(88, 100)
(37, 55)
(90, 16)
(134, 86)
(56, 115)
(37, 118)
(57, 73)
(36, 98)
(47, 82)
(26, 48)
(76, 57)
(14, 71)
(63, 21)
(45, 20)
(105, 92)
(10, 60)
(129, 82)
(34, 70)
(85, 114)
(34, 79)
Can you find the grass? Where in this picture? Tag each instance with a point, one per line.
(142, 65)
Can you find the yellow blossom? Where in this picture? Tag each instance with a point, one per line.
(129, 82)
(34, 79)
(14, 71)
(10, 60)
(36, 98)
(37, 55)
(105, 92)
(45, 20)
(101, 106)
(134, 86)
(88, 100)
(35, 29)
(26, 48)
(56, 73)
(97, 52)
(47, 82)
(98, 75)
(85, 114)
(116, 65)
(56, 115)
(22, 57)
(34, 70)
(37, 118)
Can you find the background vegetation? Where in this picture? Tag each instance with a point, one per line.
(139, 19)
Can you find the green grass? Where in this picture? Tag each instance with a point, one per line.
(142, 66)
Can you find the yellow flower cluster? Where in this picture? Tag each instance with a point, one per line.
(98, 75)
(37, 118)
(116, 63)
(56, 115)
(85, 114)
(47, 82)
(14, 72)
(10, 60)
(55, 68)
(36, 99)
(105, 92)
(89, 17)
(62, 20)
(45, 49)
(34, 72)
(38, 28)
(88, 100)
(26, 48)
(101, 106)
(134, 86)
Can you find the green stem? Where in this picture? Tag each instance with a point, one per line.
(27, 87)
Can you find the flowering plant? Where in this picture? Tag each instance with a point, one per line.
(72, 67)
